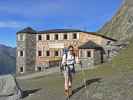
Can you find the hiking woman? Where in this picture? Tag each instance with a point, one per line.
(68, 61)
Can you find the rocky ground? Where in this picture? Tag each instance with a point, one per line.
(118, 86)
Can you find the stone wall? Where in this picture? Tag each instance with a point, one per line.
(20, 61)
(108, 49)
(30, 52)
(86, 61)
(98, 57)
(44, 67)
(28, 46)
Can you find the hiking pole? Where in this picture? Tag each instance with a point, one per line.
(67, 70)
(84, 79)
(68, 98)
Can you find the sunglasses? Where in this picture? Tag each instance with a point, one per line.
(70, 50)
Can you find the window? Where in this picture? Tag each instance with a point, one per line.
(39, 53)
(65, 36)
(74, 36)
(47, 53)
(56, 53)
(21, 37)
(39, 37)
(56, 36)
(39, 69)
(108, 51)
(47, 37)
(21, 69)
(21, 53)
(108, 42)
(81, 53)
(88, 53)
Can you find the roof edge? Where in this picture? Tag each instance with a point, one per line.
(27, 30)
(32, 31)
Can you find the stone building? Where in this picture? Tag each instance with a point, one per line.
(38, 50)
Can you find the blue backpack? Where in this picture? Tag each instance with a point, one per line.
(65, 51)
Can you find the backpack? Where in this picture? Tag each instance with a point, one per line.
(65, 51)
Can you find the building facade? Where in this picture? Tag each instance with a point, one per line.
(38, 50)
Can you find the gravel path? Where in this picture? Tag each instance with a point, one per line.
(114, 87)
(48, 71)
(39, 74)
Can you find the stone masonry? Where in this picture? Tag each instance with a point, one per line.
(37, 51)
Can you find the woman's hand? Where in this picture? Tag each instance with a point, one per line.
(65, 63)
(77, 60)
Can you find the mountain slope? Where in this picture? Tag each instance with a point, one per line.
(7, 59)
(121, 25)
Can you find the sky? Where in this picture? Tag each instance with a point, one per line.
(89, 15)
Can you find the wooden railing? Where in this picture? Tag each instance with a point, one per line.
(47, 59)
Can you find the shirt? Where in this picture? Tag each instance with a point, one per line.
(68, 58)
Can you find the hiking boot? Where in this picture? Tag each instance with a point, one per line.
(66, 93)
(70, 91)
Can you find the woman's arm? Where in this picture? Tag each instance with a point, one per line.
(64, 59)
(77, 60)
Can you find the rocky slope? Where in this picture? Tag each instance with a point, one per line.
(121, 25)
(7, 59)
(9, 89)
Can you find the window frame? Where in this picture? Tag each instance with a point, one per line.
(20, 53)
(47, 53)
(47, 37)
(66, 36)
(39, 37)
(21, 69)
(20, 37)
(108, 43)
(74, 34)
(39, 53)
(56, 52)
(88, 54)
(56, 38)
(39, 69)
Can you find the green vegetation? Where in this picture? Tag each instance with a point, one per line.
(125, 58)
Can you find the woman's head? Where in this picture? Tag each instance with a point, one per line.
(71, 49)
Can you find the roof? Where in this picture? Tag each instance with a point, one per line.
(60, 31)
(90, 45)
(95, 33)
(32, 31)
(27, 30)
(73, 30)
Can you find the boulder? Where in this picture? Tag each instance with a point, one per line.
(9, 88)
